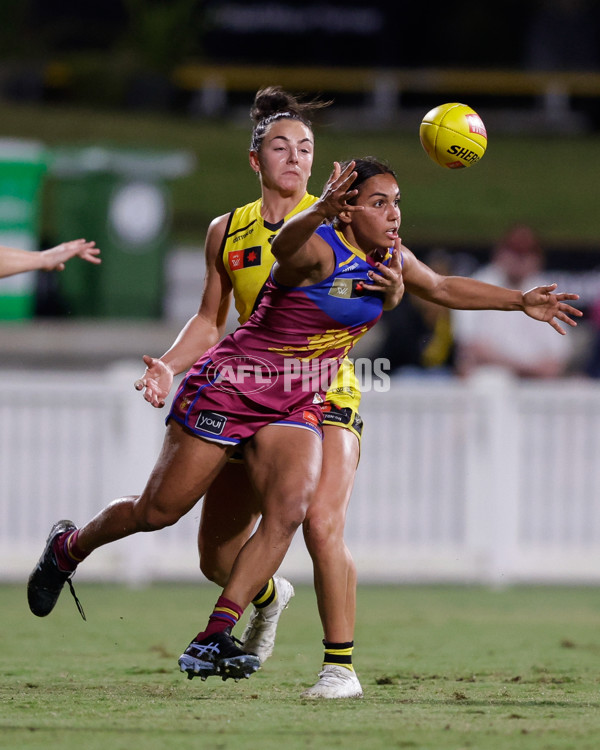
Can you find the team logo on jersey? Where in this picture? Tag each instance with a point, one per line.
(345, 288)
(250, 256)
(211, 422)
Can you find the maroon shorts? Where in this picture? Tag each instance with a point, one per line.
(231, 418)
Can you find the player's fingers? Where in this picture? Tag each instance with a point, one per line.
(375, 278)
(557, 327)
(564, 296)
(348, 169)
(570, 310)
(139, 384)
(566, 319)
(386, 271)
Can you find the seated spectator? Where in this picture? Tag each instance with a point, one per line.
(490, 338)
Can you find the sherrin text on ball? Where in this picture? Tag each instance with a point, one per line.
(453, 135)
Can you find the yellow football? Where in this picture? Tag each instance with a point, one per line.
(453, 135)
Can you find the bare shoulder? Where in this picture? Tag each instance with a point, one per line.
(219, 224)
(215, 236)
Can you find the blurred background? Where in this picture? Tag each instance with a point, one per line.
(126, 122)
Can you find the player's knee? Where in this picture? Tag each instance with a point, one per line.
(321, 528)
(288, 513)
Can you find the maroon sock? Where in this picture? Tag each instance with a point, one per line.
(225, 615)
(67, 552)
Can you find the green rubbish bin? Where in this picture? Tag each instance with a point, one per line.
(120, 198)
(22, 169)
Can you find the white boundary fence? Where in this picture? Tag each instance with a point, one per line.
(489, 480)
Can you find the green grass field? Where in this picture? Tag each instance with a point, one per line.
(549, 181)
(443, 668)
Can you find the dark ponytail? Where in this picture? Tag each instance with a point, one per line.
(274, 103)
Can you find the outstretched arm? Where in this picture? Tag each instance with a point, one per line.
(200, 332)
(463, 293)
(14, 261)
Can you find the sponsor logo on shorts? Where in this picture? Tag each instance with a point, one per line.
(211, 422)
(334, 414)
(310, 418)
(344, 416)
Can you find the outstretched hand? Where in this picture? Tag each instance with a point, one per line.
(156, 382)
(336, 193)
(541, 304)
(55, 258)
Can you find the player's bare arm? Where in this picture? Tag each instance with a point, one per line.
(201, 332)
(14, 260)
(463, 293)
(296, 247)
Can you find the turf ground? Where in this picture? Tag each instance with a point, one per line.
(443, 668)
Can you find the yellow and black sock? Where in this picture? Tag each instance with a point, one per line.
(267, 595)
(339, 654)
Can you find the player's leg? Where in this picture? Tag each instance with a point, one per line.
(323, 527)
(334, 569)
(230, 512)
(283, 463)
(185, 468)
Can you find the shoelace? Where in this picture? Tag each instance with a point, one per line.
(77, 602)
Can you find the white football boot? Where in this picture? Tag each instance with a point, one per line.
(335, 682)
(258, 637)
